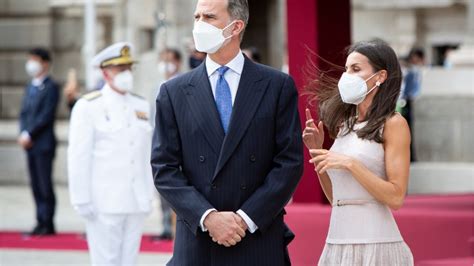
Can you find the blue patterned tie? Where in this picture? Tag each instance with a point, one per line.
(223, 98)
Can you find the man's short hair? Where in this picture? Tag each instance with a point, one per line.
(176, 54)
(239, 9)
(417, 51)
(41, 53)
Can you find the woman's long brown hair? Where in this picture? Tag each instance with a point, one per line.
(335, 113)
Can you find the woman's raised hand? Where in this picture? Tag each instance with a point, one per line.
(313, 136)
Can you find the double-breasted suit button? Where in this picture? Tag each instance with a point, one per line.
(213, 186)
(202, 159)
(243, 187)
(253, 158)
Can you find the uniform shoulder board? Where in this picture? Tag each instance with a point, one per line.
(92, 95)
(137, 95)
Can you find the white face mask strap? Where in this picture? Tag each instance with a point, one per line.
(226, 28)
(367, 93)
(371, 76)
(371, 90)
(229, 25)
(377, 84)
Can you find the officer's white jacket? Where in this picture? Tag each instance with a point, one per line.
(109, 152)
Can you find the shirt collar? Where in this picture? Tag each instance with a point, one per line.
(38, 81)
(112, 94)
(236, 64)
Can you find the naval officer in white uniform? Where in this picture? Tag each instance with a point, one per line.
(110, 180)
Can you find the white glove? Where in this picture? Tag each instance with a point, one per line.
(85, 210)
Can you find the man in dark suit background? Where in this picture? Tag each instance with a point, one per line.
(227, 148)
(37, 136)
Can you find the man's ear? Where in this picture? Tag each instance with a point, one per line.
(45, 64)
(105, 74)
(238, 27)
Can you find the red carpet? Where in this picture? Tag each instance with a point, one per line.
(469, 261)
(437, 229)
(69, 241)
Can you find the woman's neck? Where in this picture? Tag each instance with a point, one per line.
(361, 111)
(360, 116)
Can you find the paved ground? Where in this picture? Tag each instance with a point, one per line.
(17, 213)
(63, 258)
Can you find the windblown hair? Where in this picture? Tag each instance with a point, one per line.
(336, 114)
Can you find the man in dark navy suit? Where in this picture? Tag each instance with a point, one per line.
(37, 136)
(227, 148)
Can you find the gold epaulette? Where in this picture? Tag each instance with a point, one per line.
(137, 95)
(92, 95)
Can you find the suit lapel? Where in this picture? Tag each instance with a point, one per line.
(252, 87)
(40, 94)
(203, 107)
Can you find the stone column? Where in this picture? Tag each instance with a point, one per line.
(464, 56)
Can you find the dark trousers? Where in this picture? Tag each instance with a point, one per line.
(407, 112)
(40, 166)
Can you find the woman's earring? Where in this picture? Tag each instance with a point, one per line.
(377, 83)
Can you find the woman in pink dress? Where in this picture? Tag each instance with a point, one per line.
(365, 173)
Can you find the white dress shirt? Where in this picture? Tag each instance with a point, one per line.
(232, 76)
(38, 80)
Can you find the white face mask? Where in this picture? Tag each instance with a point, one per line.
(124, 81)
(353, 89)
(208, 38)
(33, 68)
(165, 68)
